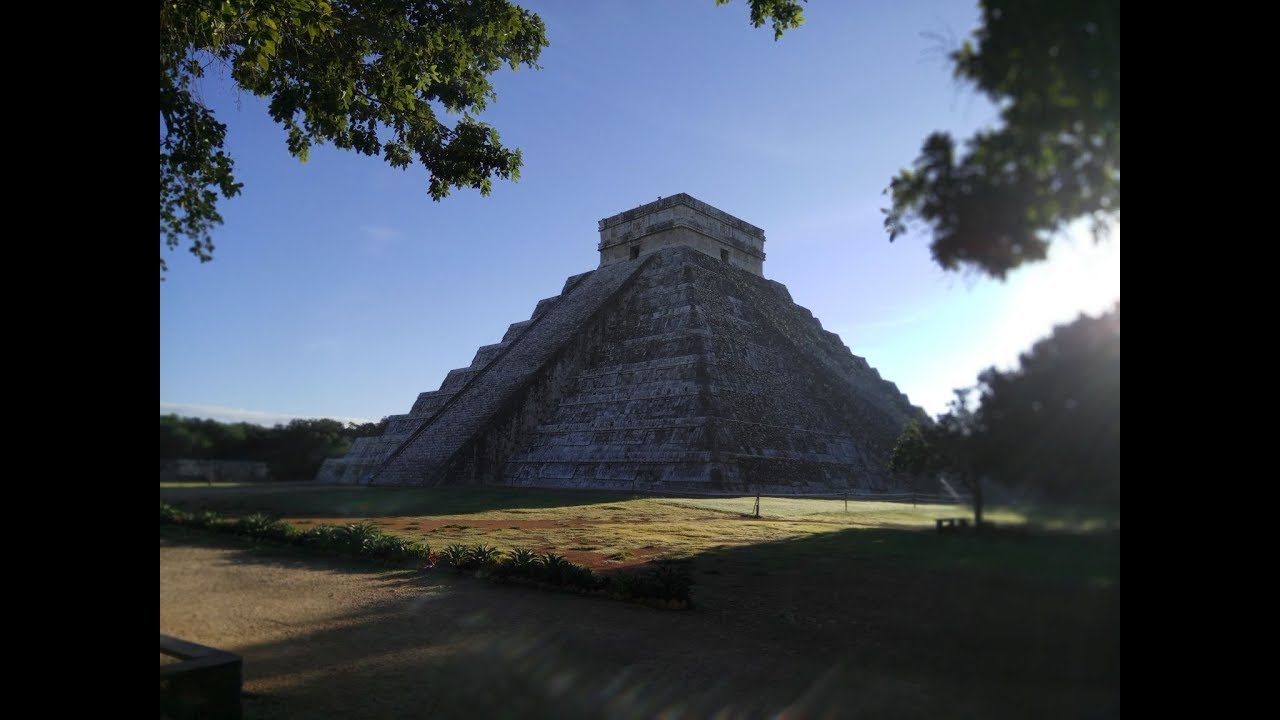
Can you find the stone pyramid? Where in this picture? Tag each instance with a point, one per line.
(674, 366)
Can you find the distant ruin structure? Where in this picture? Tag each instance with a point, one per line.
(211, 471)
(675, 366)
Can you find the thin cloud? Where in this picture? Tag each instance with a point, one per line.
(226, 414)
(887, 323)
(377, 241)
(380, 232)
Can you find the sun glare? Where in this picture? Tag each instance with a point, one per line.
(1080, 276)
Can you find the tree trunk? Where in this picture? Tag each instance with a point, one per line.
(977, 502)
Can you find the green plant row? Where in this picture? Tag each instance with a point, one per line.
(354, 540)
(663, 584)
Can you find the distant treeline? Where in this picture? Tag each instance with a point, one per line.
(292, 452)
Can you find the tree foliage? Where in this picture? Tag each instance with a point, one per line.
(397, 79)
(292, 452)
(949, 448)
(367, 429)
(1053, 69)
(1054, 423)
(915, 456)
(782, 14)
(1050, 427)
(911, 455)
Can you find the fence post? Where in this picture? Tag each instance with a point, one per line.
(846, 500)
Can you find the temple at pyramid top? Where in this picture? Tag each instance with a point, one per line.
(681, 220)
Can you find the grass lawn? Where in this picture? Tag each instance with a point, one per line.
(891, 613)
(605, 530)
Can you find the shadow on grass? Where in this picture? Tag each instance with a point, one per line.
(856, 623)
(248, 551)
(1068, 517)
(1065, 558)
(1024, 625)
(310, 499)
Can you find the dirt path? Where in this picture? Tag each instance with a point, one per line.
(325, 639)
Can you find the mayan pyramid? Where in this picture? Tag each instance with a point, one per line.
(674, 366)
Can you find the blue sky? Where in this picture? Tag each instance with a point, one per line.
(340, 289)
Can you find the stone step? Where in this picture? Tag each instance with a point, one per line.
(424, 457)
(485, 354)
(514, 330)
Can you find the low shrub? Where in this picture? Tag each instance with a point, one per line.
(483, 556)
(521, 562)
(209, 520)
(579, 576)
(358, 538)
(363, 540)
(551, 568)
(170, 515)
(455, 557)
(326, 537)
(261, 526)
(666, 583)
(628, 585)
(392, 548)
(672, 580)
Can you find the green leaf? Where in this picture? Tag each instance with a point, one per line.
(334, 94)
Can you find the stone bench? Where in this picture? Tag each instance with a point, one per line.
(204, 683)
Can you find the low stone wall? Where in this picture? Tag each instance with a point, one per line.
(188, 470)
